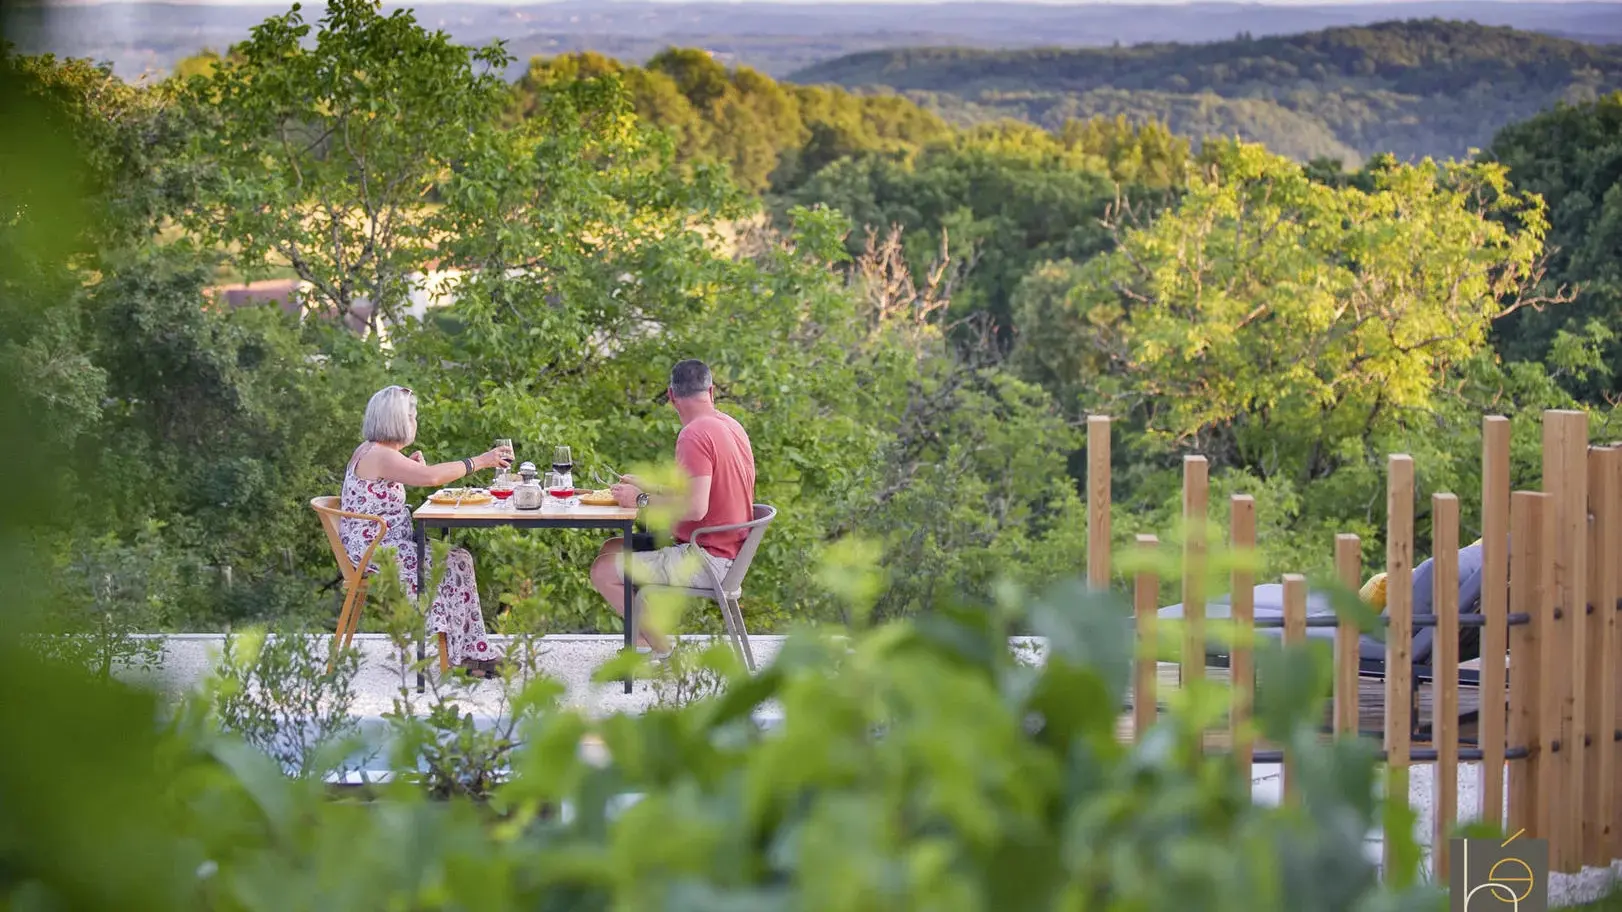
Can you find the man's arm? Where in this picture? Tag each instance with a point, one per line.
(697, 498)
(696, 458)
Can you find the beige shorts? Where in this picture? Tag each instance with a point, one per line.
(679, 565)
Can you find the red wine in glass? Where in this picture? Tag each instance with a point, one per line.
(563, 462)
(501, 493)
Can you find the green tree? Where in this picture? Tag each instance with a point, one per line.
(970, 485)
(1004, 204)
(1270, 308)
(1572, 157)
(54, 219)
(770, 135)
(325, 156)
(1146, 155)
(224, 424)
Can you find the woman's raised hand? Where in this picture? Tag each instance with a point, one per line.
(491, 459)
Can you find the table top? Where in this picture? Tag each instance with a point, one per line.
(499, 513)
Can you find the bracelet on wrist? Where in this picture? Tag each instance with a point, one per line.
(468, 465)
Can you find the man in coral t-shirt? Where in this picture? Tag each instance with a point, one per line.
(713, 452)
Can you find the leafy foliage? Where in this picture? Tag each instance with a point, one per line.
(1572, 157)
(1271, 301)
(222, 420)
(322, 154)
(1005, 199)
(52, 212)
(768, 134)
(109, 595)
(275, 692)
(916, 760)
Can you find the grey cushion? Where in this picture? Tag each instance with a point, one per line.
(1469, 603)
(1269, 600)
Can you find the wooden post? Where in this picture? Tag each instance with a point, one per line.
(1146, 605)
(1098, 501)
(1494, 610)
(1194, 503)
(1348, 637)
(1530, 520)
(1242, 660)
(1399, 561)
(1445, 677)
(1295, 634)
(1565, 478)
(1599, 786)
(1611, 534)
(1553, 809)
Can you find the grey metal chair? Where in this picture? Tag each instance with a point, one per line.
(726, 591)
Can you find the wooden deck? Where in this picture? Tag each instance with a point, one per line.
(1370, 705)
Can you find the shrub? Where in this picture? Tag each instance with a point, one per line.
(276, 694)
(918, 765)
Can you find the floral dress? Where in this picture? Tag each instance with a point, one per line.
(455, 612)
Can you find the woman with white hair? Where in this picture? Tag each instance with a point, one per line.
(374, 483)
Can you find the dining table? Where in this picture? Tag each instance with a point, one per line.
(554, 513)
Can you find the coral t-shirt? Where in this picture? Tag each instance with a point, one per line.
(716, 445)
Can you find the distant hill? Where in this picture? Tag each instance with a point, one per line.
(776, 37)
(1413, 88)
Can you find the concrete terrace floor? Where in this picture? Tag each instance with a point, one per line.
(573, 659)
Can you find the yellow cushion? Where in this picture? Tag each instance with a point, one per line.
(1373, 592)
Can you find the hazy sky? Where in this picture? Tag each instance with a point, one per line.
(977, 2)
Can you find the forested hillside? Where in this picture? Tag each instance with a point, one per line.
(1006, 195)
(1412, 88)
(767, 133)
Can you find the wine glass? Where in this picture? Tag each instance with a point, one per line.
(556, 484)
(505, 482)
(563, 464)
(504, 442)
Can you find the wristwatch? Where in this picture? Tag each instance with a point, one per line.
(642, 499)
